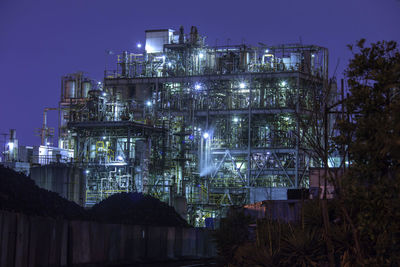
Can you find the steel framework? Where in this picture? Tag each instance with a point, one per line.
(217, 125)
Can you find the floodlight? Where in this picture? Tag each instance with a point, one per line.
(206, 135)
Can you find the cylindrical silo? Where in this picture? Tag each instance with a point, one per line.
(70, 89)
(13, 134)
(86, 87)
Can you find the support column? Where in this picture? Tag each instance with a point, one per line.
(296, 180)
(249, 141)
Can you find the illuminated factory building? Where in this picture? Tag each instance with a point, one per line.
(203, 127)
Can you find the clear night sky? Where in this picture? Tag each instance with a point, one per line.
(42, 40)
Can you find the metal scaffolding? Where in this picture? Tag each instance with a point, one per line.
(218, 126)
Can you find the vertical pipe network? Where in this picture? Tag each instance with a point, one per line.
(249, 142)
(128, 156)
(296, 181)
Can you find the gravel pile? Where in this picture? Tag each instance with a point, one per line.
(19, 193)
(136, 208)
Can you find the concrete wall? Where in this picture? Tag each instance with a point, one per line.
(38, 241)
(67, 181)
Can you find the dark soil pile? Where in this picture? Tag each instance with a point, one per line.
(20, 194)
(136, 208)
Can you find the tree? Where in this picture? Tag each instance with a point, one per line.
(370, 133)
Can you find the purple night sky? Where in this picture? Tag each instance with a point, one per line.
(42, 40)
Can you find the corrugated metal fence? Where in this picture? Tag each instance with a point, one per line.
(38, 241)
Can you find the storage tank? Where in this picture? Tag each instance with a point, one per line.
(244, 59)
(86, 87)
(70, 89)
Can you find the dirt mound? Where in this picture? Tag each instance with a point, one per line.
(20, 194)
(136, 208)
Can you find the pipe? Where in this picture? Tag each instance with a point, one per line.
(44, 130)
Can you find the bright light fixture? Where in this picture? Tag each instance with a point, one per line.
(201, 55)
(148, 103)
(242, 85)
(235, 119)
(206, 135)
(283, 83)
(104, 94)
(87, 171)
(197, 86)
(120, 158)
(139, 45)
(104, 138)
(312, 55)
(11, 146)
(266, 51)
(169, 64)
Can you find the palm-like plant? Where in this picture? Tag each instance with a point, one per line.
(302, 247)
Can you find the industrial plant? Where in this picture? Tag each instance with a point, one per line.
(200, 127)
